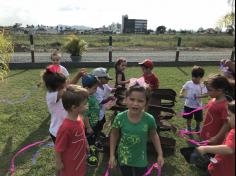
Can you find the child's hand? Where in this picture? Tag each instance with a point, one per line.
(160, 160)
(59, 165)
(127, 82)
(112, 162)
(82, 72)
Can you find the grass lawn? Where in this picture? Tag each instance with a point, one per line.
(24, 119)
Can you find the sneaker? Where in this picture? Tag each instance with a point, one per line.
(92, 161)
(93, 150)
(99, 146)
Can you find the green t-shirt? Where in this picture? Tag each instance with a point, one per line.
(93, 111)
(132, 148)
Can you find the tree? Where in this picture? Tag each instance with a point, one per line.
(160, 30)
(6, 50)
(228, 20)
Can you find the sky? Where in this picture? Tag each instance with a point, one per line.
(174, 14)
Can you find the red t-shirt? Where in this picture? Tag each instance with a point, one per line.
(71, 143)
(152, 80)
(226, 163)
(216, 116)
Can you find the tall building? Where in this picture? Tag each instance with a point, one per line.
(134, 26)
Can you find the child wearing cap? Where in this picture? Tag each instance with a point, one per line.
(103, 94)
(149, 77)
(91, 116)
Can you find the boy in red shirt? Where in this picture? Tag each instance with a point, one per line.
(225, 153)
(149, 77)
(71, 143)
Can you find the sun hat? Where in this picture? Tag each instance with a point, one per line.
(101, 73)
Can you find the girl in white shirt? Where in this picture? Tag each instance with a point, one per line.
(55, 83)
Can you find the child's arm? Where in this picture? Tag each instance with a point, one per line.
(182, 93)
(203, 95)
(87, 125)
(81, 73)
(217, 149)
(59, 163)
(114, 137)
(220, 135)
(119, 82)
(157, 144)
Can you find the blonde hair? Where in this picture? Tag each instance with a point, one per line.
(55, 52)
(74, 95)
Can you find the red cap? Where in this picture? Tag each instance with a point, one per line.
(147, 63)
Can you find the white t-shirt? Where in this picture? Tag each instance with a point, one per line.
(102, 94)
(193, 91)
(57, 111)
(64, 71)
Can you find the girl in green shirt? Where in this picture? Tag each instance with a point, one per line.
(130, 131)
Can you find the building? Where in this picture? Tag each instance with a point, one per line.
(133, 26)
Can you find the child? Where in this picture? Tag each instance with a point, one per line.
(215, 125)
(55, 83)
(102, 94)
(71, 143)
(120, 66)
(193, 91)
(91, 116)
(130, 131)
(225, 153)
(228, 67)
(149, 77)
(56, 57)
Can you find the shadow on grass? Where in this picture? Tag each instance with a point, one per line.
(27, 155)
(184, 72)
(15, 74)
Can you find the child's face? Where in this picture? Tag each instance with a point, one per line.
(136, 102)
(231, 118)
(196, 80)
(122, 66)
(103, 80)
(214, 93)
(56, 60)
(146, 70)
(92, 90)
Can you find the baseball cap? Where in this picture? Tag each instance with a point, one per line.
(101, 73)
(147, 63)
(89, 80)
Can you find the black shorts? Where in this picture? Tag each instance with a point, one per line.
(198, 116)
(53, 138)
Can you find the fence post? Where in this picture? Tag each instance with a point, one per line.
(178, 49)
(110, 48)
(32, 47)
(233, 52)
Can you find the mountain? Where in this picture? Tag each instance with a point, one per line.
(78, 27)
